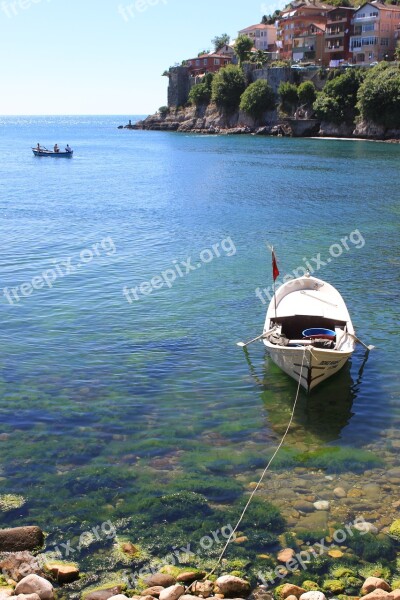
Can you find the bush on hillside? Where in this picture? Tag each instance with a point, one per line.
(307, 93)
(228, 86)
(337, 101)
(379, 95)
(201, 92)
(257, 99)
(288, 95)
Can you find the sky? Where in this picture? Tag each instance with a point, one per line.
(106, 56)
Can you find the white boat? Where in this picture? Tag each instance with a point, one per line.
(308, 331)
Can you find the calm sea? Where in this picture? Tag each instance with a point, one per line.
(106, 391)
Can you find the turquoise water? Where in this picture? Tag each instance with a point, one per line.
(104, 400)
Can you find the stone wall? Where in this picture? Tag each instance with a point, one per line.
(179, 86)
(274, 76)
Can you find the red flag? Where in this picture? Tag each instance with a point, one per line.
(275, 270)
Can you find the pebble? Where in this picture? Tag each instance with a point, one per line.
(314, 595)
(285, 555)
(322, 505)
(375, 583)
(366, 527)
(339, 492)
(32, 584)
(172, 593)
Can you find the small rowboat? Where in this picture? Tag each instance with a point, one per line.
(37, 152)
(308, 332)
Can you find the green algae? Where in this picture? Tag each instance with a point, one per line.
(10, 502)
(338, 459)
(334, 586)
(394, 530)
(370, 547)
(310, 586)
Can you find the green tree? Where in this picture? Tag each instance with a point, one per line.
(379, 95)
(243, 46)
(397, 51)
(259, 58)
(307, 93)
(337, 101)
(270, 19)
(220, 41)
(201, 92)
(257, 99)
(288, 95)
(227, 87)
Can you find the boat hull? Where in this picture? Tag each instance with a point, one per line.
(53, 154)
(310, 365)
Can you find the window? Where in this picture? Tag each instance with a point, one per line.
(217, 61)
(384, 41)
(197, 63)
(205, 62)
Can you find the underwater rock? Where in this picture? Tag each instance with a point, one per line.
(321, 505)
(173, 592)
(313, 595)
(285, 555)
(231, 586)
(32, 584)
(17, 565)
(304, 507)
(339, 492)
(260, 593)
(63, 573)
(374, 583)
(291, 590)
(189, 576)
(365, 527)
(104, 594)
(378, 595)
(203, 588)
(20, 538)
(160, 579)
(153, 591)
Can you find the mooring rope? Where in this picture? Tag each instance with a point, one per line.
(262, 476)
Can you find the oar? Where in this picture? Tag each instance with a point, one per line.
(360, 342)
(259, 337)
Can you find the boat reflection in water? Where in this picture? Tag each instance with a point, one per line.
(319, 417)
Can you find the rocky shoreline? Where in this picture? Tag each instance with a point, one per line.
(26, 574)
(210, 120)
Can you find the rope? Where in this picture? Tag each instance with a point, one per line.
(261, 478)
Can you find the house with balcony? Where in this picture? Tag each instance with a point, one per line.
(337, 36)
(309, 45)
(263, 36)
(374, 32)
(208, 63)
(295, 22)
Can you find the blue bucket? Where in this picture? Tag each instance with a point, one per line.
(319, 332)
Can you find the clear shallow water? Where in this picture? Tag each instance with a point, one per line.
(103, 399)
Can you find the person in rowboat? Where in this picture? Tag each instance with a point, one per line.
(68, 148)
(38, 148)
(56, 148)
